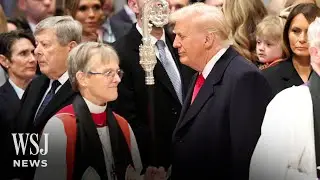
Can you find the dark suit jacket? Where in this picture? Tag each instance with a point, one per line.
(9, 108)
(132, 102)
(122, 17)
(29, 104)
(216, 135)
(282, 76)
(9, 104)
(32, 99)
(120, 24)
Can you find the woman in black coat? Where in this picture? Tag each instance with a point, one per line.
(296, 69)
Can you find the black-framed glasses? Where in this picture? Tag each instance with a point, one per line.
(109, 73)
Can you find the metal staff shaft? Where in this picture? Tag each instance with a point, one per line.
(152, 126)
(156, 11)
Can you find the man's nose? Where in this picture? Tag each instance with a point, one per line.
(47, 2)
(176, 42)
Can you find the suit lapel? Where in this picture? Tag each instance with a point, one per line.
(59, 98)
(289, 74)
(187, 101)
(124, 16)
(12, 95)
(115, 29)
(206, 91)
(314, 88)
(160, 73)
(162, 77)
(31, 100)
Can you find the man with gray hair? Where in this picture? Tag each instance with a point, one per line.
(289, 146)
(220, 121)
(48, 93)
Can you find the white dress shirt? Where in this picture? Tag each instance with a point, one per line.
(209, 66)
(64, 78)
(17, 89)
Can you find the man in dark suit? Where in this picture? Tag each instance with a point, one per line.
(221, 117)
(17, 59)
(118, 24)
(48, 93)
(171, 83)
(51, 53)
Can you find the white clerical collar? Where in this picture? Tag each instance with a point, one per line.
(93, 108)
(17, 89)
(152, 38)
(209, 66)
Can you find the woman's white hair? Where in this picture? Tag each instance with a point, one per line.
(210, 18)
(314, 33)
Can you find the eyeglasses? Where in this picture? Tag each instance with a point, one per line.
(109, 73)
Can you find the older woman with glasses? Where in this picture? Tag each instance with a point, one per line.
(86, 139)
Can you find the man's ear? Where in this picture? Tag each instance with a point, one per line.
(313, 51)
(71, 45)
(22, 5)
(209, 40)
(4, 61)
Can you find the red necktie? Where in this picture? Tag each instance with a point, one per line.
(197, 87)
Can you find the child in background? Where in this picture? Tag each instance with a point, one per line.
(270, 48)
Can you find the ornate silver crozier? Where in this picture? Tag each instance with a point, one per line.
(155, 13)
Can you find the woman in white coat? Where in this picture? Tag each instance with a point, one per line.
(286, 148)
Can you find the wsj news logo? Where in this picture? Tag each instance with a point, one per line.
(22, 142)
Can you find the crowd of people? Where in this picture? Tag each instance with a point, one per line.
(236, 93)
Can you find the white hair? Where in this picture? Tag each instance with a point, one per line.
(314, 33)
(211, 18)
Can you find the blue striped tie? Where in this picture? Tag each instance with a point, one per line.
(47, 99)
(169, 67)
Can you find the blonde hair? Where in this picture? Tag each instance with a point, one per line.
(243, 24)
(271, 28)
(3, 21)
(210, 18)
